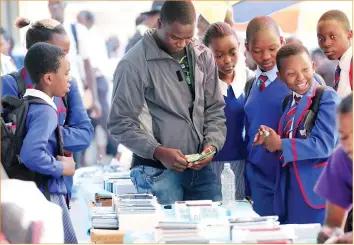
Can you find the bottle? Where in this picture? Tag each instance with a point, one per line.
(228, 185)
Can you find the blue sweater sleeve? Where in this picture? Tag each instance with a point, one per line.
(41, 123)
(8, 86)
(77, 135)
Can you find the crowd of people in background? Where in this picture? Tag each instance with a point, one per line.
(283, 120)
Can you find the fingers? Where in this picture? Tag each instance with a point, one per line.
(60, 158)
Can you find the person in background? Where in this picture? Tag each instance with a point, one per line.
(202, 26)
(99, 60)
(334, 36)
(336, 182)
(223, 42)
(323, 66)
(263, 107)
(7, 66)
(8, 44)
(293, 39)
(79, 55)
(175, 109)
(75, 124)
(303, 151)
(149, 22)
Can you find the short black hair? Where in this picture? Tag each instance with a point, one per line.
(89, 16)
(182, 12)
(41, 30)
(338, 16)
(262, 23)
(42, 58)
(346, 105)
(218, 30)
(290, 50)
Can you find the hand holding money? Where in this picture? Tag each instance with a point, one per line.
(198, 161)
(172, 159)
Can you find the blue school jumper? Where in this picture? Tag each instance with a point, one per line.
(304, 159)
(262, 108)
(78, 135)
(234, 147)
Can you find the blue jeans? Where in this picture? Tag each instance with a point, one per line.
(170, 187)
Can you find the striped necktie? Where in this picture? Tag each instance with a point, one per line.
(336, 78)
(290, 117)
(262, 84)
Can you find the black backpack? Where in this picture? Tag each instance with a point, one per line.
(21, 88)
(311, 115)
(13, 132)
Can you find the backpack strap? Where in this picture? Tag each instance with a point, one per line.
(74, 31)
(21, 83)
(248, 86)
(311, 117)
(65, 99)
(286, 102)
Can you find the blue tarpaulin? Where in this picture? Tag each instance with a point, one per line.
(244, 11)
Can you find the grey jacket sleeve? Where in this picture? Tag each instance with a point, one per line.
(128, 104)
(214, 117)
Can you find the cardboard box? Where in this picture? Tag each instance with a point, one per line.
(107, 236)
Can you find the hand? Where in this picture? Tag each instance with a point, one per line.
(272, 141)
(96, 110)
(327, 232)
(347, 238)
(172, 159)
(201, 164)
(68, 165)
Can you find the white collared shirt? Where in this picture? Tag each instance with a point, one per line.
(242, 75)
(344, 88)
(39, 94)
(272, 75)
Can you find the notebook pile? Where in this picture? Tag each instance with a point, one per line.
(260, 230)
(104, 218)
(179, 232)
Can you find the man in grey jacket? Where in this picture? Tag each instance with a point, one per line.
(167, 104)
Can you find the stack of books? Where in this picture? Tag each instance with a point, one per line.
(179, 232)
(136, 211)
(104, 218)
(259, 230)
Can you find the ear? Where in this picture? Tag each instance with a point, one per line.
(282, 41)
(247, 47)
(313, 66)
(279, 76)
(159, 23)
(47, 78)
(350, 34)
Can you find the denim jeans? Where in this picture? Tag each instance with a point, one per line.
(170, 186)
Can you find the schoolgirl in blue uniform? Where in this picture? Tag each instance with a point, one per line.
(263, 107)
(303, 151)
(78, 130)
(223, 41)
(49, 69)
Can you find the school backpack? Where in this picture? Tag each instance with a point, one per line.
(13, 131)
(21, 89)
(311, 115)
